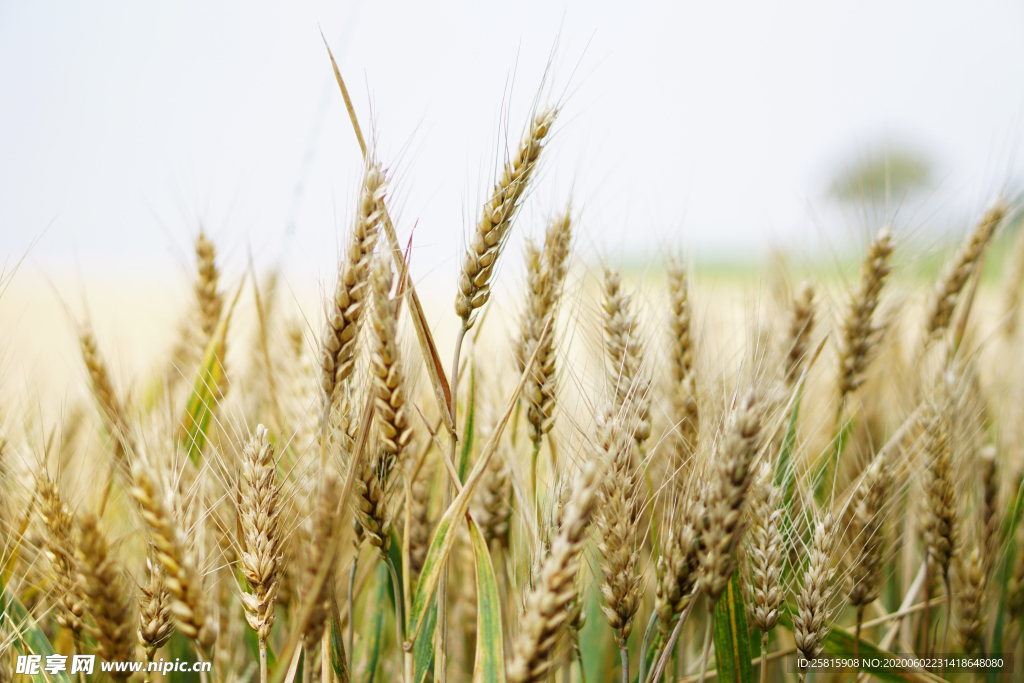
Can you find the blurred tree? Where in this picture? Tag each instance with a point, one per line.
(893, 173)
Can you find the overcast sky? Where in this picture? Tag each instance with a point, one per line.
(715, 125)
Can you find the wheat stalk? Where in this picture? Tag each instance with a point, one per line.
(765, 546)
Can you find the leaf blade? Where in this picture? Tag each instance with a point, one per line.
(489, 661)
(732, 640)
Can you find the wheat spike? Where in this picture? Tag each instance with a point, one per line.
(112, 410)
(546, 274)
(940, 519)
(617, 520)
(684, 382)
(971, 600)
(867, 534)
(60, 548)
(801, 325)
(625, 354)
(259, 516)
(495, 509)
(211, 302)
(947, 291)
(546, 616)
(765, 546)
(726, 500)
(677, 566)
(420, 526)
(812, 620)
(321, 529)
(104, 589)
(341, 331)
(181, 577)
(860, 333)
(496, 218)
(155, 625)
(991, 519)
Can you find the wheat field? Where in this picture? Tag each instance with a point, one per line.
(618, 475)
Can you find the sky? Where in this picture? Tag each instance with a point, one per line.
(717, 127)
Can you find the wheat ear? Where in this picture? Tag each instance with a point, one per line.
(323, 526)
(677, 567)
(155, 625)
(341, 331)
(765, 546)
(497, 217)
(947, 291)
(617, 520)
(971, 601)
(546, 616)
(104, 589)
(940, 519)
(181, 577)
(259, 516)
(115, 418)
(812, 619)
(626, 354)
(546, 274)
(60, 549)
(867, 538)
(801, 325)
(211, 302)
(726, 500)
(684, 385)
(860, 333)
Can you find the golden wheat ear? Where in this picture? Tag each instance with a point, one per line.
(860, 332)
(351, 293)
(497, 217)
(106, 595)
(545, 615)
